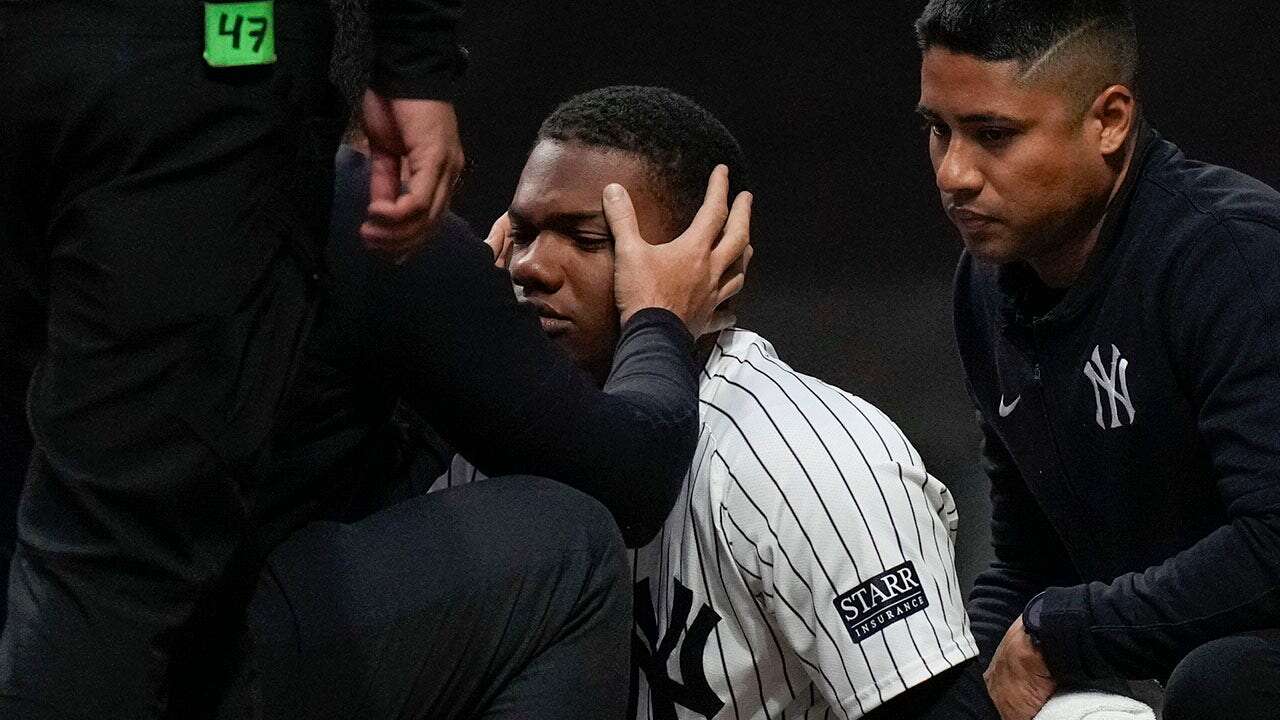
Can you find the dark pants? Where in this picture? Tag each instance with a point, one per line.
(502, 599)
(159, 220)
(1235, 677)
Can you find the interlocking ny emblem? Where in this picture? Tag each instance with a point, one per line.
(1113, 383)
(650, 654)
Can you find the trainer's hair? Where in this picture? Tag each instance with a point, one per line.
(1095, 41)
(681, 142)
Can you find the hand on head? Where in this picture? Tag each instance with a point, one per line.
(694, 274)
(416, 140)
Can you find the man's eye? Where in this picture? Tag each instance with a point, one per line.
(592, 242)
(935, 129)
(995, 136)
(521, 237)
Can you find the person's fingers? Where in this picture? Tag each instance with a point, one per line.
(498, 240)
(738, 266)
(737, 232)
(729, 288)
(384, 239)
(720, 320)
(620, 214)
(384, 176)
(443, 194)
(415, 202)
(710, 218)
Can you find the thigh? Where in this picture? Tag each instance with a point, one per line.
(1234, 677)
(432, 608)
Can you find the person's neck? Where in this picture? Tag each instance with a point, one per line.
(1064, 263)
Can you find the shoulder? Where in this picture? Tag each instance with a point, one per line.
(780, 431)
(1187, 207)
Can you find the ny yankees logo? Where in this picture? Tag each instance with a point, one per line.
(1114, 383)
(649, 653)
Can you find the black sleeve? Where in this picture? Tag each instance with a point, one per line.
(1029, 557)
(416, 52)
(1223, 315)
(446, 334)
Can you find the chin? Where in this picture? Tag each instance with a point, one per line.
(990, 249)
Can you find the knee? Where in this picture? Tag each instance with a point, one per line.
(1224, 678)
(575, 520)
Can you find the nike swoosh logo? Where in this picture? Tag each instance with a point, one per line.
(1006, 409)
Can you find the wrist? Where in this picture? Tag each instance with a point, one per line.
(1032, 619)
(627, 313)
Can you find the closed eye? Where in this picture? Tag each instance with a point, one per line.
(995, 136)
(592, 242)
(522, 236)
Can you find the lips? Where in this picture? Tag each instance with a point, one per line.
(969, 220)
(553, 321)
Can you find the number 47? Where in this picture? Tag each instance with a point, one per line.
(258, 34)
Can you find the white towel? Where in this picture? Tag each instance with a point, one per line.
(1094, 705)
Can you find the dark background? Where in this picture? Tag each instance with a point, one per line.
(851, 278)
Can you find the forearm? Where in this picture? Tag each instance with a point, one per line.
(1141, 624)
(1029, 556)
(479, 368)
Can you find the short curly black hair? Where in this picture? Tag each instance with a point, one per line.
(680, 140)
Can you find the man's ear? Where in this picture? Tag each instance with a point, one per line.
(1115, 113)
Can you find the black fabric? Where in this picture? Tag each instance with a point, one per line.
(1155, 530)
(1235, 677)
(165, 218)
(959, 693)
(503, 599)
(416, 49)
(443, 334)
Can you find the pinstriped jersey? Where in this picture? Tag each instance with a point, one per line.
(807, 569)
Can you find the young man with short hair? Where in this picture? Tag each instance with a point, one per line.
(808, 567)
(1116, 315)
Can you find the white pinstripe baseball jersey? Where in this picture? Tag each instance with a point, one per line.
(808, 567)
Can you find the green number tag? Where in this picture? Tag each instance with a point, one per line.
(237, 34)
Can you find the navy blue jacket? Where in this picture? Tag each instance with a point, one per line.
(1132, 431)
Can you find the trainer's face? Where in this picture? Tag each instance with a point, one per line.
(562, 251)
(1014, 166)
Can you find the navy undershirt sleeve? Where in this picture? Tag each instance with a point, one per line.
(445, 333)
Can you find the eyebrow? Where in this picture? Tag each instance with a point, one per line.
(556, 220)
(929, 114)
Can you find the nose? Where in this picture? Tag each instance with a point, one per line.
(534, 267)
(957, 173)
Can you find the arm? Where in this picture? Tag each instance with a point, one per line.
(453, 342)
(1029, 557)
(445, 332)
(855, 562)
(407, 114)
(1223, 316)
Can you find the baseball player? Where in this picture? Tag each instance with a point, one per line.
(807, 569)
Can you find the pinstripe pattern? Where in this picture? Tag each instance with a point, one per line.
(798, 493)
